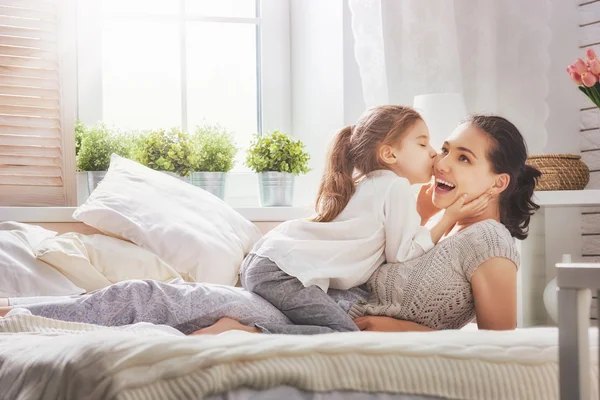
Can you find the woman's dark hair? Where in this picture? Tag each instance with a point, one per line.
(507, 155)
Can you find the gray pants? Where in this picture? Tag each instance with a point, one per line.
(181, 305)
(312, 309)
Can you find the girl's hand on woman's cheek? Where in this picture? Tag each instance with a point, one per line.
(425, 206)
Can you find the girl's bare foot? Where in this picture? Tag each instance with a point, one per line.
(223, 325)
(4, 311)
(3, 302)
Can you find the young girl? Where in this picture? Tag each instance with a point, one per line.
(366, 215)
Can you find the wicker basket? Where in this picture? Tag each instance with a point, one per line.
(560, 171)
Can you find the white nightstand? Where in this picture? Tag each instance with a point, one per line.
(554, 230)
(575, 282)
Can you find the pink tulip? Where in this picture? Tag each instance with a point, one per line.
(576, 78)
(595, 66)
(590, 54)
(580, 66)
(589, 79)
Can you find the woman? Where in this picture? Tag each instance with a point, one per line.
(472, 272)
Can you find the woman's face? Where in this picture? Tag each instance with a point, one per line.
(463, 166)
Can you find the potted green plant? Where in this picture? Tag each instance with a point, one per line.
(277, 158)
(169, 151)
(213, 154)
(94, 146)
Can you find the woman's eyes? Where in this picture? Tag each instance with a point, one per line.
(461, 158)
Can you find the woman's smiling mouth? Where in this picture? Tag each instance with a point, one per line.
(443, 186)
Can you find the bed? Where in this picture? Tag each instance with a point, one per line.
(43, 358)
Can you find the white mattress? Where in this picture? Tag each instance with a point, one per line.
(70, 360)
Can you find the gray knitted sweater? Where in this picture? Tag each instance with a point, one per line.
(435, 289)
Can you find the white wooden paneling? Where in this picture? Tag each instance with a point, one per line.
(590, 140)
(30, 170)
(592, 159)
(584, 101)
(30, 111)
(29, 130)
(28, 72)
(594, 180)
(591, 245)
(589, 118)
(27, 62)
(28, 101)
(33, 196)
(590, 224)
(28, 140)
(589, 12)
(27, 33)
(589, 35)
(41, 5)
(48, 15)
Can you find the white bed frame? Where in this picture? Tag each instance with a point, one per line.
(59, 219)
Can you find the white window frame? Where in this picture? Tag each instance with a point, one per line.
(273, 79)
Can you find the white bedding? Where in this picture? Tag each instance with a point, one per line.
(21, 273)
(40, 356)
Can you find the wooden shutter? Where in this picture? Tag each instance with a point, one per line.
(37, 102)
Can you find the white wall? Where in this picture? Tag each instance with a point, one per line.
(563, 97)
(317, 61)
(354, 103)
(327, 92)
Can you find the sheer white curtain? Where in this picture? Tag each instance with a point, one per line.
(494, 52)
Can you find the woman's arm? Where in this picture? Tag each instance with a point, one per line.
(388, 324)
(494, 286)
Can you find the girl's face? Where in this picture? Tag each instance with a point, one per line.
(412, 156)
(463, 167)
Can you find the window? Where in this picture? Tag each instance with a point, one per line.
(164, 63)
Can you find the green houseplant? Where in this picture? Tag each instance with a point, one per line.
(165, 150)
(276, 157)
(96, 144)
(213, 155)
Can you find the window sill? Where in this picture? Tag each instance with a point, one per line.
(64, 214)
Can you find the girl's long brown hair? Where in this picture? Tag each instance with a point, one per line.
(355, 149)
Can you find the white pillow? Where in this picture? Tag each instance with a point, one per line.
(96, 261)
(193, 231)
(21, 274)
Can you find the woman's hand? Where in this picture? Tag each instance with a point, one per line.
(388, 324)
(425, 206)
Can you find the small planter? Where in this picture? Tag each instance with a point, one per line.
(212, 182)
(276, 189)
(94, 178)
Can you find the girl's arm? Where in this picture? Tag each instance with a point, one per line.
(494, 286)
(388, 324)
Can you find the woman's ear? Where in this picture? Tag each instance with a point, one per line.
(500, 183)
(386, 154)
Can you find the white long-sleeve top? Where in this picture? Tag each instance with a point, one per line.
(379, 224)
